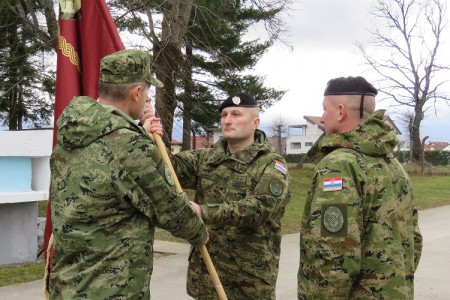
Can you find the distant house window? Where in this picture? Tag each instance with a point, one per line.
(296, 145)
(172, 150)
(308, 144)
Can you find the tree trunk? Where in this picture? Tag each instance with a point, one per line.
(422, 155)
(20, 110)
(187, 118)
(12, 113)
(167, 69)
(51, 21)
(415, 136)
(279, 140)
(187, 99)
(167, 56)
(194, 140)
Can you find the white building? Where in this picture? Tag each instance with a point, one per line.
(308, 134)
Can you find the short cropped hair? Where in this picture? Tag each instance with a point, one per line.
(116, 91)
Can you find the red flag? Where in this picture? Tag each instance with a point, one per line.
(86, 34)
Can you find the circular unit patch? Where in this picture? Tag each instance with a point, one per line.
(276, 187)
(333, 219)
(168, 175)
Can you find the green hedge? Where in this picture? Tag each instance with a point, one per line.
(434, 158)
(296, 158)
(438, 158)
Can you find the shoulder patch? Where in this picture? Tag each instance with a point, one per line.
(276, 187)
(280, 167)
(332, 184)
(334, 220)
(168, 175)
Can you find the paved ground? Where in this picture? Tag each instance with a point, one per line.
(168, 280)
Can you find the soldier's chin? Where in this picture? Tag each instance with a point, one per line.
(227, 136)
(230, 138)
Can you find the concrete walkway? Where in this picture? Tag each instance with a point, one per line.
(168, 281)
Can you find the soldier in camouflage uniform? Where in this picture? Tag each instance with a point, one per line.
(242, 188)
(359, 237)
(110, 188)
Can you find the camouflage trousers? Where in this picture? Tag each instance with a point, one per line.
(236, 284)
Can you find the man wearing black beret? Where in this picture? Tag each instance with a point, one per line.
(239, 100)
(359, 237)
(242, 188)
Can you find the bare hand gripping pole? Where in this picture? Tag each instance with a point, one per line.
(206, 258)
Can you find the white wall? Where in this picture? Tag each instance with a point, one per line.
(309, 135)
(25, 176)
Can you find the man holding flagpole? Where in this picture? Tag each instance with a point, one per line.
(105, 204)
(242, 187)
(79, 51)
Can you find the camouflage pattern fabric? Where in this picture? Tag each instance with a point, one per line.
(359, 237)
(127, 66)
(109, 189)
(243, 198)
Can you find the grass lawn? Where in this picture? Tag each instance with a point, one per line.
(300, 181)
(15, 274)
(430, 191)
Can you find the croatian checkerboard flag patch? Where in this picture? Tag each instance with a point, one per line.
(280, 167)
(332, 184)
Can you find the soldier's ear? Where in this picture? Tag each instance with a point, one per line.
(134, 93)
(341, 112)
(256, 122)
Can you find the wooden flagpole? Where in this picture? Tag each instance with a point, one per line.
(204, 252)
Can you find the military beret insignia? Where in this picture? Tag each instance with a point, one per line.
(276, 187)
(334, 220)
(168, 175)
(239, 100)
(236, 100)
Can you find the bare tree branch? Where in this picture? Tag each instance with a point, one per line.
(404, 52)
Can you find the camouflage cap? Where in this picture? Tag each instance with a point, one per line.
(239, 100)
(127, 66)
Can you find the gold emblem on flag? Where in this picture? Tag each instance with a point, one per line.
(68, 50)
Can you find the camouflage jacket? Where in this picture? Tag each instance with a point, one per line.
(359, 237)
(109, 189)
(243, 198)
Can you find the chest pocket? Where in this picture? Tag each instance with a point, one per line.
(209, 188)
(221, 184)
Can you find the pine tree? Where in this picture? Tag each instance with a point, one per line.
(199, 53)
(26, 81)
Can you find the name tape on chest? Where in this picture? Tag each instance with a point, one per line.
(332, 184)
(239, 181)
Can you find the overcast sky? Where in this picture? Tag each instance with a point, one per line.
(322, 35)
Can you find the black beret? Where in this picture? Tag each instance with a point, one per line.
(239, 100)
(350, 86)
